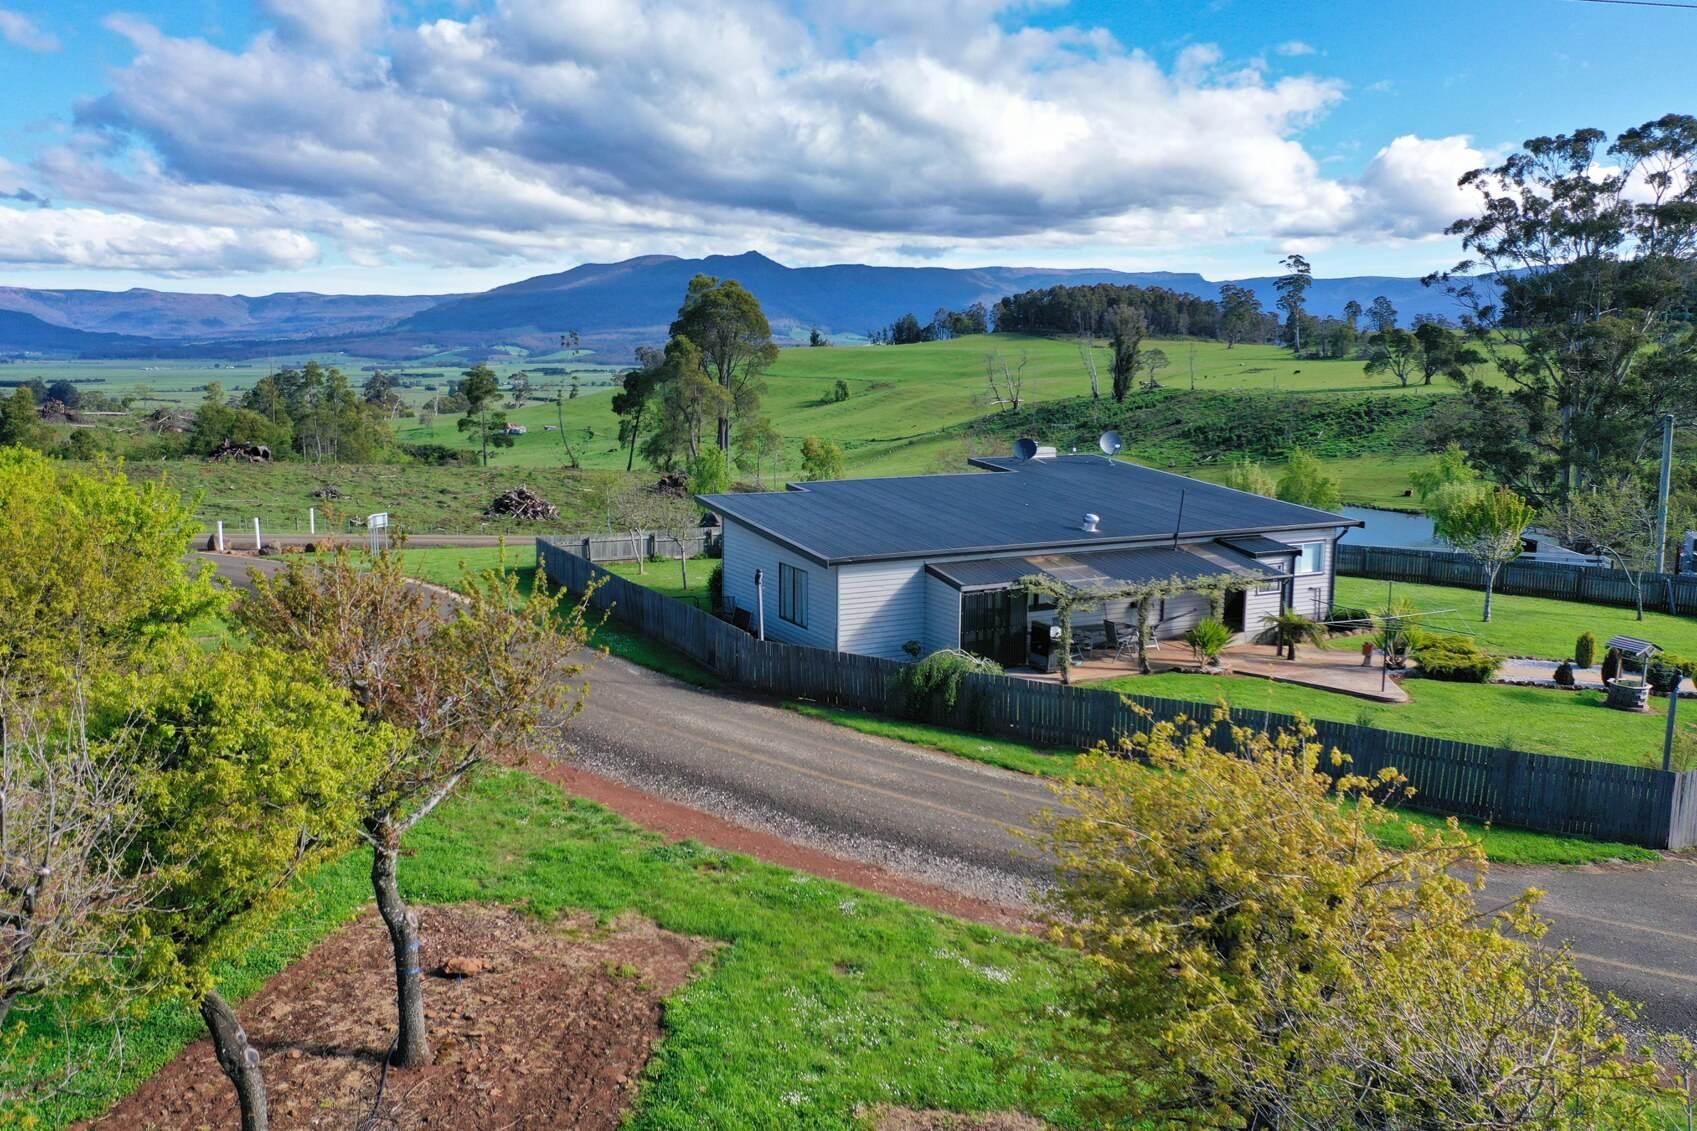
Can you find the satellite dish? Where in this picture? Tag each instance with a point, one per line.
(1110, 443)
(1025, 448)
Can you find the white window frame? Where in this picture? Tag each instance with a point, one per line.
(792, 584)
(1302, 549)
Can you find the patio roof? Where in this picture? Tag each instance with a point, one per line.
(1104, 569)
(1258, 545)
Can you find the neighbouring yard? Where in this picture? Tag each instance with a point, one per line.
(1521, 626)
(823, 1000)
(1537, 719)
(663, 576)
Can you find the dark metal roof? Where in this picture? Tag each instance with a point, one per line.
(1023, 505)
(1102, 568)
(1257, 544)
(1632, 646)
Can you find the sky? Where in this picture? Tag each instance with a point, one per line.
(429, 146)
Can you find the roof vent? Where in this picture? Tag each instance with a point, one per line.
(1090, 523)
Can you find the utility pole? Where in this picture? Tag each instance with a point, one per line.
(1662, 486)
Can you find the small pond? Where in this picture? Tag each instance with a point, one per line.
(1391, 528)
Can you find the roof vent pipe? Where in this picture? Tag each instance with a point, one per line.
(1090, 523)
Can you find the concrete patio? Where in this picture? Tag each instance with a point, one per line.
(1313, 667)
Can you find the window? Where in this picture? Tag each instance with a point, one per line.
(1312, 559)
(792, 595)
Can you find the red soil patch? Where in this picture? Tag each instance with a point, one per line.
(552, 1030)
(679, 822)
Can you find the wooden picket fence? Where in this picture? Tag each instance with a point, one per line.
(1596, 585)
(1635, 804)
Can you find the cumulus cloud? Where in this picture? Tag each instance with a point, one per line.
(542, 128)
(21, 31)
(1294, 47)
(86, 237)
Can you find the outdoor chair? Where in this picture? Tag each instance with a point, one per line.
(1121, 643)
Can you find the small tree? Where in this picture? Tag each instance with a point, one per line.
(821, 459)
(679, 520)
(1488, 525)
(1154, 360)
(1396, 352)
(1245, 474)
(1290, 628)
(1449, 466)
(1616, 519)
(1207, 638)
(635, 507)
(1256, 958)
(1126, 327)
(453, 689)
(1305, 481)
(709, 473)
(249, 765)
(1585, 650)
(758, 443)
(482, 390)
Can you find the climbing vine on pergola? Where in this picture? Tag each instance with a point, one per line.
(1069, 598)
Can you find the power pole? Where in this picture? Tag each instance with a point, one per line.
(1662, 486)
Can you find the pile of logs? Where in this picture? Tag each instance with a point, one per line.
(233, 449)
(522, 502)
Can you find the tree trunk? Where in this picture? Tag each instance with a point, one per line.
(412, 1044)
(238, 1059)
(1490, 582)
(724, 433)
(683, 565)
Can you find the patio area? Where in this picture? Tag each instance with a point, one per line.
(1313, 667)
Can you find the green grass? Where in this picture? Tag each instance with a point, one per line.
(419, 499)
(826, 999)
(1502, 846)
(665, 576)
(1521, 626)
(448, 565)
(1536, 719)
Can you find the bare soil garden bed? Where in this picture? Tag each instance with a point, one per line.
(552, 1029)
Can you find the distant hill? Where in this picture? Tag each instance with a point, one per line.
(196, 317)
(25, 333)
(613, 306)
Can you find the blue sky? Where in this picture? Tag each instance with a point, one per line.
(365, 145)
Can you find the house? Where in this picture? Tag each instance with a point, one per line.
(868, 565)
(515, 430)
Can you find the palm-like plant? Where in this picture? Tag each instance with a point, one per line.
(1207, 639)
(1290, 628)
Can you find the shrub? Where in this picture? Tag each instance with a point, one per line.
(935, 681)
(1207, 639)
(839, 392)
(1611, 665)
(716, 586)
(1564, 674)
(1455, 658)
(439, 455)
(1361, 618)
(1319, 980)
(1585, 650)
(1667, 670)
(913, 648)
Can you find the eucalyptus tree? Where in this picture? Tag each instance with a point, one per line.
(725, 322)
(1580, 287)
(1293, 294)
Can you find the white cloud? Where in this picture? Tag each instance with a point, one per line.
(550, 129)
(1294, 47)
(85, 237)
(341, 25)
(21, 31)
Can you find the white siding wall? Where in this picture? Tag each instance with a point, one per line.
(1311, 592)
(1257, 607)
(942, 615)
(746, 551)
(880, 607)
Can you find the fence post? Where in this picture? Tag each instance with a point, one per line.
(257, 544)
(220, 536)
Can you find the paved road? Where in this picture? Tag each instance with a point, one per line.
(955, 822)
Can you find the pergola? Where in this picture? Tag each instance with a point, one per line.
(1069, 596)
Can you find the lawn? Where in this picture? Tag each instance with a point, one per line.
(825, 1000)
(1537, 719)
(1521, 626)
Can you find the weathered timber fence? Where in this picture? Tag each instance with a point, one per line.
(628, 547)
(1597, 585)
(1637, 804)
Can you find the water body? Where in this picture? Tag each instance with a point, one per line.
(1391, 528)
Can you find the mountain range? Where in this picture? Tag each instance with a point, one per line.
(612, 306)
